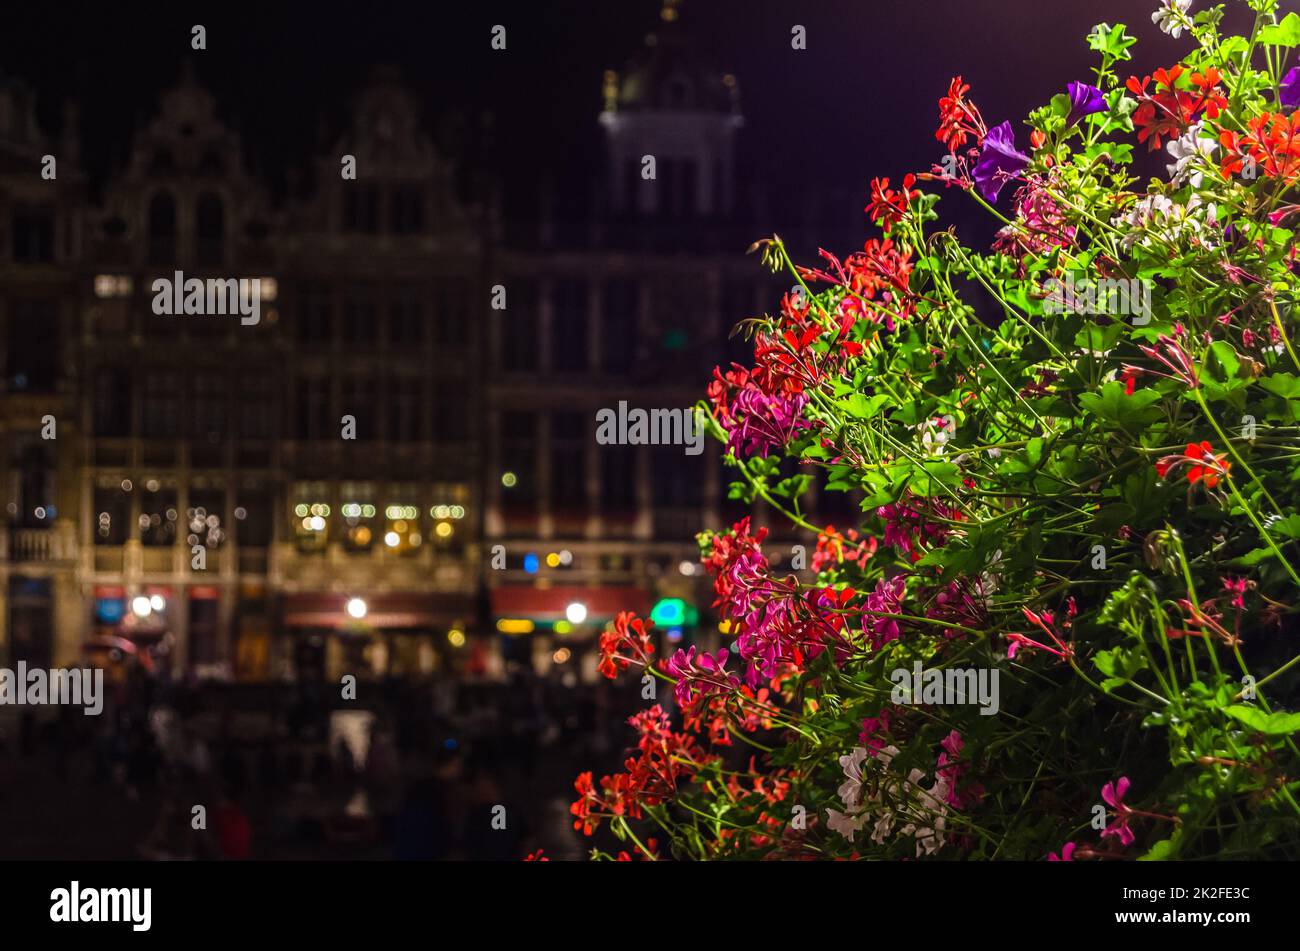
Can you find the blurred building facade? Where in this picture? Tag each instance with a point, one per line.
(394, 469)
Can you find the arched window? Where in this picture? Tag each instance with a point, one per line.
(162, 229)
(210, 226)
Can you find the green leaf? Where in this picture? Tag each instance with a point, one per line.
(1282, 384)
(1270, 724)
(1224, 360)
(864, 407)
(1286, 33)
(1111, 41)
(1115, 406)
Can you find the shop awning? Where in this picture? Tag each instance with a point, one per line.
(547, 604)
(395, 610)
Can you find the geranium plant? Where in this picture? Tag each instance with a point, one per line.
(1064, 625)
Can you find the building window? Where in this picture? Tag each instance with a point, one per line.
(569, 327)
(112, 404)
(256, 407)
(33, 235)
(311, 514)
(360, 209)
(569, 437)
(451, 409)
(406, 319)
(32, 473)
(677, 478)
(206, 518)
(210, 229)
(158, 515)
(254, 527)
(406, 209)
(314, 314)
(32, 346)
(109, 286)
(404, 410)
(519, 459)
(162, 230)
(162, 403)
(518, 325)
(359, 316)
(359, 399)
(454, 313)
(208, 408)
(313, 408)
(618, 338)
(359, 516)
(112, 509)
(618, 481)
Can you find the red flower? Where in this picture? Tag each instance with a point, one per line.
(631, 635)
(1272, 144)
(888, 205)
(1203, 465)
(1169, 110)
(959, 120)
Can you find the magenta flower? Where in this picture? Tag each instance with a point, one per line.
(1085, 100)
(1113, 795)
(999, 162)
(699, 676)
(887, 598)
(759, 423)
(1289, 89)
(1067, 854)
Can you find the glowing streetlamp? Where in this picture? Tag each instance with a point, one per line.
(576, 612)
(356, 608)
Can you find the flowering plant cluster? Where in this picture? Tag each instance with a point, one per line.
(1074, 449)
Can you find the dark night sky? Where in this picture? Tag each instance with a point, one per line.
(860, 101)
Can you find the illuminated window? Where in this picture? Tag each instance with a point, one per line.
(359, 516)
(402, 528)
(310, 516)
(113, 285)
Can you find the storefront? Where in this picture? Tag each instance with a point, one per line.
(558, 627)
(325, 635)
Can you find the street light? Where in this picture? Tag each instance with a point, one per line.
(141, 607)
(157, 602)
(576, 612)
(356, 608)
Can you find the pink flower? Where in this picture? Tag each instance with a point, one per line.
(886, 599)
(1067, 854)
(1238, 588)
(1113, 795)
(699, 676)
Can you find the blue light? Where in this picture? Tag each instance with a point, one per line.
(674, 634)
(530, 563)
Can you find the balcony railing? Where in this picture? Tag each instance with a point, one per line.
(33, 545)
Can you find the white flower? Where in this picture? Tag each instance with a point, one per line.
(935, 434)
(846, 825)
(1172, 17)
(1186, 150)
(1159, 216)
(991, 577)
(851, 791)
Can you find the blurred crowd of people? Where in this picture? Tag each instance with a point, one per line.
(440, 768)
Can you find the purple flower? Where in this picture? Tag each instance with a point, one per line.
(1084, 101)
(759, 423)
(1289, 91)
(886, 599)
(701, 675)
(999, 162)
